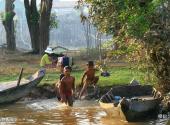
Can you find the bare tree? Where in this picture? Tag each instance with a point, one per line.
(87, 29)
(32, 16)
(99, 40)
(45, 12)
(8, 23)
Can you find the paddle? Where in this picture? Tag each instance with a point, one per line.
(20, 76)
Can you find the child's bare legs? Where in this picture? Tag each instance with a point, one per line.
(96, 79)
(63, 99)
(69, 100)
(86, 83)
(57, 91)
(83, 89)
(94, 83)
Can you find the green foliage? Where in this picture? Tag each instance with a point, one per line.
(110, 16)
(34, 18)
(6, 16)
(139, 28)
(2, 15)
(123, 18)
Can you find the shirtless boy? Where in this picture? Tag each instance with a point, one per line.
(67, 87)
(88, 78)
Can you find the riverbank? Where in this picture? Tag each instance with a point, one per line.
(120, 72)
(48, 91)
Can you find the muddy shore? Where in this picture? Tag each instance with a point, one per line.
(47, 91)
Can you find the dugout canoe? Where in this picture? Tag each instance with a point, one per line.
(132, 106)
(140, 108)
(11, 92)
(108, 100)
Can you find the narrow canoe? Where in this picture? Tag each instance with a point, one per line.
(10, 92)
(134, 107)
(140, 108)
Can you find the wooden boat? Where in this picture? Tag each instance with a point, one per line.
(140, 108)
(132, 106)
(11, 92)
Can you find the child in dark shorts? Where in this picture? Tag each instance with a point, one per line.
(67, 87)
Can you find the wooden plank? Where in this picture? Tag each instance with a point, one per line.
(20, 76)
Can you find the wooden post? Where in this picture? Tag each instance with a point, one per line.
(20, 76)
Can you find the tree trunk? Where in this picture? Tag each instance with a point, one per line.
(32, 16)
(45, 12)
(99, 46)
(86, 25)
(9, 24)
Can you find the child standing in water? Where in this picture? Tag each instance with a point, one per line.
(88, 78)
(67, 87)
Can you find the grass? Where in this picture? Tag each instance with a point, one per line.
(119, 76)
(10, 68)
(4, 78)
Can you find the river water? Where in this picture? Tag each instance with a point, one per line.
(51, 112)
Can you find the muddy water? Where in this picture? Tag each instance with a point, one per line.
(51, 112)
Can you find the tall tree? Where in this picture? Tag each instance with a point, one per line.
(146, 21)
(8, 23)
(32, 16)
(45, 12)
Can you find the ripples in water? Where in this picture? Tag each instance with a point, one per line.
(51, 112)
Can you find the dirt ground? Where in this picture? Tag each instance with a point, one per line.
(12, 62)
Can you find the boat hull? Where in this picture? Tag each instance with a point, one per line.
(138, 108)
(15, 93)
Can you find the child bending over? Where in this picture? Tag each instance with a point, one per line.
(88, 78)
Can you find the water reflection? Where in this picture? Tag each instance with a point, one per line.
(51, 112)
